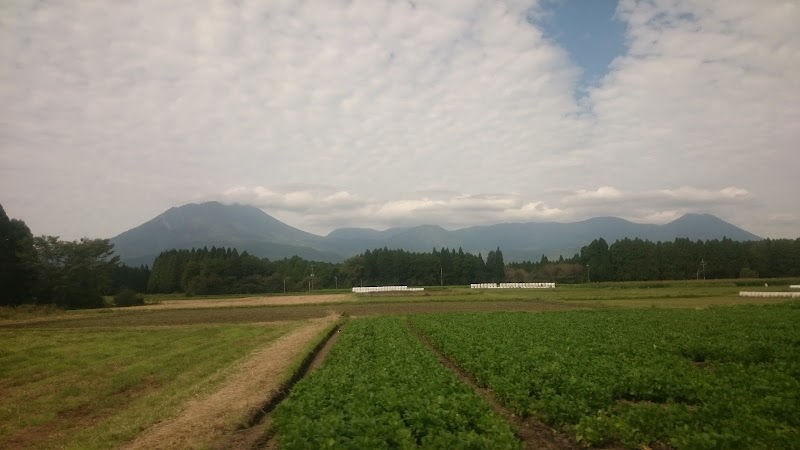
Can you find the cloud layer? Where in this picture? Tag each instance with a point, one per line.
(379, 113)
(323, 208)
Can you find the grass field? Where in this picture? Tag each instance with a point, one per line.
(97, 378)
(100, 387)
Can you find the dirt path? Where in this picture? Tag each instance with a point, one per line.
(246, 301)
(259, 434)
(248, 388)
(534, 434)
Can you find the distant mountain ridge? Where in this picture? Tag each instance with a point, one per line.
(214, 224)
(251, 229)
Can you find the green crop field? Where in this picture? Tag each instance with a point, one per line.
(620, 364)
(713, 378)
(97, 388)
(380, 388)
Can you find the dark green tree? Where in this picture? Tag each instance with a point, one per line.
(72, 274)
(16, 277)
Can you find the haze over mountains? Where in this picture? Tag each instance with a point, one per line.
(249, 228)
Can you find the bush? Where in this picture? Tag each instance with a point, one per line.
(127, 297)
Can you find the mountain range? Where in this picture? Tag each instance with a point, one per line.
(251, 229)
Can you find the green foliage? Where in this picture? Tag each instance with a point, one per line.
(495, 267)
(226, 271)
(16, 278)
(128, 297)
(715, 378)
(400, 267)
(72, 274)
(379, 388)
(135, 278)
(638, 260)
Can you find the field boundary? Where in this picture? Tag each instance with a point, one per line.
(533, 433)
(210, 418)
(257, 432)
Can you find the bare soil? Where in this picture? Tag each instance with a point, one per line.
(246, 301)
(533, 433)
(204, 420)
(273, 313)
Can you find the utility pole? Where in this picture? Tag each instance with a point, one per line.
(441, 276)
(336, 280)
(312, 277)
(703, 264)
(588, 275)
(284, 285)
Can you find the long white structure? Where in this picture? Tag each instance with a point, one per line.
(769, 294)
(370, 289)
(512, 286)
(794, 286)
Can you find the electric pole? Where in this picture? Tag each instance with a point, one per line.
(703, 264)
(441, 277)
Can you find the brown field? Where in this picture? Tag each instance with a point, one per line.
(137, 317)
(246, 301)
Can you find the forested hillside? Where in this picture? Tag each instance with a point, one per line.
(221, 270)
(681, 259)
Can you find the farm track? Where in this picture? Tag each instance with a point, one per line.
(533, 433)
(207, 420)
(258, 432)
(277, 313)
(274, 300)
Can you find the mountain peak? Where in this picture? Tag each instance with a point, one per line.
(707, 226)
(249, 228)
(213, 223)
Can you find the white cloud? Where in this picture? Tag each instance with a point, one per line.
(302, 199)
(111, 112)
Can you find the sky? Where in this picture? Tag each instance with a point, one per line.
(381, 113)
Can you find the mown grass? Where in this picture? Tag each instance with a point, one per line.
(562, 293)
(98, 388)
(25, 312)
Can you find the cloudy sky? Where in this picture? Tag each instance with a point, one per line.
(388, 112)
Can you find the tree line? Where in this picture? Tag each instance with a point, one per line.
(78, 274)
(681, 259)
(385, 267)
(226, 271)
(70, 274)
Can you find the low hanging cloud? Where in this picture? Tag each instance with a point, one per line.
(322, 208)
(296, 199)
(684, 196)
(656, 206)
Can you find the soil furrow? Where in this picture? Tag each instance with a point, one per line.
(259, 433)
(533, 433)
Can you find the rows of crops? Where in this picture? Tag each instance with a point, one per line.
(379, 388)
(715, 378)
